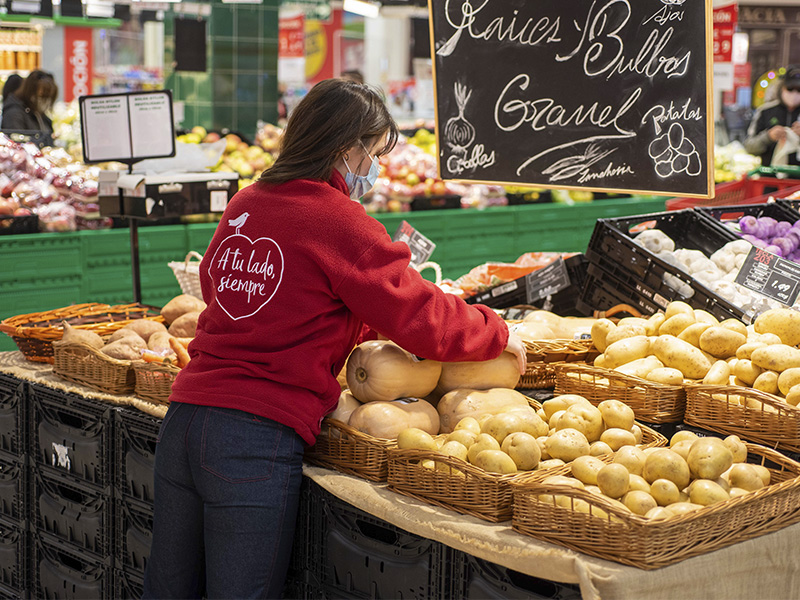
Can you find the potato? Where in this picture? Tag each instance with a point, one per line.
(627, 350)
(666, 464)
(632, 458)
(654, 323)
(455, 449)
(523, 450)
(778, 357)
(788, 379)
(185, 325)
(735, 325)
(613, 480)
(666, 376)
(709, 458)
(659, 513)
(721, 342)
(682, 435)
(705, 492)
(745, 476)
(530, 422)
(567, 444)
(681, 355)
(627, 321)
(616, 414)
(470, 424)
(783, 322)
(737, 448)
(640, 367)
(736, 492)
(599, 449)
(553, 422)
(600, 361)
(462, 436)
(637, 434)
(767, 382)
(637, 482)
(559, 480)
(763, 472)
(484, 442)
(678, 307)
(585, 418)
(415, 438)
(585, 468)
(746, 371)
(682, 508)
(746, 349)
(145, 327)
(665, 492)
(718, 374)
(682, 448)
(770, 339)
(495, 461)
(562, 402)
(693, 332)
(600, 330)
(703, 316)
(550, 463)
(616, 438)
(639, 502)
(72, 335)
(793, 396)
(676, 324)
(624, 332)
(123, 350)
(180, 305)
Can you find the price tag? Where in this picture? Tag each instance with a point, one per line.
(219, 200)
(421, 247)
(770, 275)
(547, 281)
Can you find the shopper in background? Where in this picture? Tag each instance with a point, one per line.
(776, 123)
(293, 271)
(12, 84)
(27, 108)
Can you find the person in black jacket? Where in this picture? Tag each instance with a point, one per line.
(26, 110)
(771, 121)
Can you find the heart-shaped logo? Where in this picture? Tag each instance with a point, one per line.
(246, 274)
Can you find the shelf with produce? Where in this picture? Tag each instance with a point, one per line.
(20, 48)
(7, 72)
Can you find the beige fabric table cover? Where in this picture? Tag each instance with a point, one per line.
(767, 567)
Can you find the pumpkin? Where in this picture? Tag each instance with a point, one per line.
(388, 419)
(501, 372)
(347, 404)
(382, 371)
(458, 404)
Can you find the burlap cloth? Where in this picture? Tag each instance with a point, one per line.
(767, 567)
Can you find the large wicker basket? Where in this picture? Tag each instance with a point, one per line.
(464, 487)
(34, 333)
(154, 381)
(652, 402)
(545, 355)
(630, 539)
(187, 272)
(83, 364)
(764, 419)
(345, 449)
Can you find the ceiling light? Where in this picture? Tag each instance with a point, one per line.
(363, 8)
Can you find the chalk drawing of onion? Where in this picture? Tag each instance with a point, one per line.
(459, 132)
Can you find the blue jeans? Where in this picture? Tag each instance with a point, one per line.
(227, 489)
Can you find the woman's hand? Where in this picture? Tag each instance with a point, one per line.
(777, 133)
(517, 348)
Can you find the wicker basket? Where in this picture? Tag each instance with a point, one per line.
(545, 355)
(188, 274)
(767, 420)
(34, 333)
(633, 540)
(652, 402)
(154, 381)
(466, 488)
(350, 451)
(83, 364)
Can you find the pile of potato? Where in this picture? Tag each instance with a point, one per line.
(658, 483)
(688, 344)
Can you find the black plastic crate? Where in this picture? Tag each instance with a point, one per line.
(563, 302)
(612, 248)
(134, 534)
(72, 434)
(792, 204)
(475, 578)
(14, 555)
(60, 572)
(17, 225)
(136, 435)
(7, 593)
(354, 554)
(13, 398)
(732, 214)
(127, 586)
(435, 202)
(73, 512)
(14, 488)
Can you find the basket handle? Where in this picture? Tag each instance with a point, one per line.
(431, 265)
(599, 314)
(192, 254)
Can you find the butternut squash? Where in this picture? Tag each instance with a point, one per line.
(458, 404)
(501, 372)
(381, 371)
(347, 404)
(388, 419)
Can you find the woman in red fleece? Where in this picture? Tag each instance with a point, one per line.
(293, 271)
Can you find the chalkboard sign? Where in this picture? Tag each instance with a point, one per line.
(770, 275)
(610, 95)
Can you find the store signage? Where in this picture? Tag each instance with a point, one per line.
(547, 281)
(77, 62)
(770, 275)
(421, 247)
(127, 127)
(725, 18)
(609, 95)
(291, 49)
(776, 16)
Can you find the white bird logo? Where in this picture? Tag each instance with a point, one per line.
(239, 221)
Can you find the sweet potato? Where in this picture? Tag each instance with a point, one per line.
(180, 305)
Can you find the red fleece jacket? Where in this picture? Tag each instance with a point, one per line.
(290, 275)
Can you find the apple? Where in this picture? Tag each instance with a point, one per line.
(412, 179)
(7, 206)
(23, 212)
(211, 137)
(201, 131)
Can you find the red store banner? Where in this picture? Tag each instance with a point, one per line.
(725, 18)
(77, 62)
(291, 37)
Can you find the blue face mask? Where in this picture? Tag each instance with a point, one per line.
(358, 185)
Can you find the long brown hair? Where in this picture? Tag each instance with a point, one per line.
(333, 117)
(39, 91)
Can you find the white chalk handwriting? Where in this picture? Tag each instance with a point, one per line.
(477, 158)
(662, 113)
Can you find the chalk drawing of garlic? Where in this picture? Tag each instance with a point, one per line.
(458, 132)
